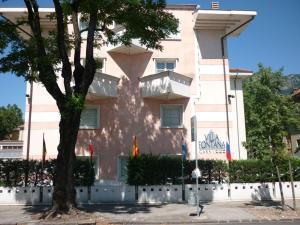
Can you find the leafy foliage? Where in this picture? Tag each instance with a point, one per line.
(43, 55)
(10, 118)
(148, 169)
(155, 170)
(253, 170)
(12, 172)
(270, 115)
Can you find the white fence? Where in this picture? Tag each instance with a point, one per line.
(152, 194)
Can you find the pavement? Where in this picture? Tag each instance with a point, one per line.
(212, 212)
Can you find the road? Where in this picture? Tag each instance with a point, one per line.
(260, 223)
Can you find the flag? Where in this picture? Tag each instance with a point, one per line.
(135, 148)
(228, 154)
(44, 151)
(183, 151)
(91, 149)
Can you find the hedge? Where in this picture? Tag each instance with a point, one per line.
(157, 170)
(12, 173)
(250, 171)
(148, 169)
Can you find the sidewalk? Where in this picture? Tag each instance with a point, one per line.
(213, 212)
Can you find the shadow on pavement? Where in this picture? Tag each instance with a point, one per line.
(265, 203)
(120, 208)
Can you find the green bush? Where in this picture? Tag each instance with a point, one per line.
(155, 170)
(12, 172)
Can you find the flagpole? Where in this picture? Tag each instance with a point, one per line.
(182, 169)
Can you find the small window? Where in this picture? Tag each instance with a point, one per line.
(123, 160)
(165, 65)
(100, 64)
(90, 118)
(82, 26)
(176, 36)
(171, 116)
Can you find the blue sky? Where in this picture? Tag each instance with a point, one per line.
(273, 38)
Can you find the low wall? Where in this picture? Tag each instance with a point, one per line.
(19, 196)
(152, 194)
(207, 192)
(112, 193)
(160, 194)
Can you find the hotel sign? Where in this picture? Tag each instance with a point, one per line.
(211, 144)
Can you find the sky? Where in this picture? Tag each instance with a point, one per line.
(273, 38)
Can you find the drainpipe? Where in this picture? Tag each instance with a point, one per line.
(237, 116)
(28, 134)
(224, 71)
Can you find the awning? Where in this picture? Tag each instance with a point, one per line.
(222, 20)
(20, 14)
(134, 48)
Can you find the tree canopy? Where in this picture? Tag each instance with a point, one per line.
(10, 118)
(270, 115)
(45, 55)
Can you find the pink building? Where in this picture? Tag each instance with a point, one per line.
(153, 95)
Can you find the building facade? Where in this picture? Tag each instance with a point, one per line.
(154, 94)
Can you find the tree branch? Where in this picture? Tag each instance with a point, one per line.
(90, 65)
(79, 69)
(46, 71)
(66, 69)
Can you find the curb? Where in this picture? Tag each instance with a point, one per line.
(83, 222)
(297, 220)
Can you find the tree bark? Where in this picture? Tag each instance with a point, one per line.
(64, 195)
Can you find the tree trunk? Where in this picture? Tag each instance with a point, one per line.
(64, 190)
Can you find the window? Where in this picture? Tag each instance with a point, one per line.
(82, 26)
(122, 168)
(165, 65)
(100, 64)
(171, 116)
(176, 36)
(90, 118)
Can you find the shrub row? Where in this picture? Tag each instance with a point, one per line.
(153, 169)
(156, 170)
(12, 172)
(250, 171)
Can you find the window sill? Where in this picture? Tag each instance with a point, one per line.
(179, 127)
(172, 39)
(88, 128)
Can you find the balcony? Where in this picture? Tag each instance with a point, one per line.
(103, 86)
(11, 149)
(166, 85)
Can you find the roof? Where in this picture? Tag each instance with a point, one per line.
(296, 94)
(238, 70)
(182, 6)
(240, 73)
